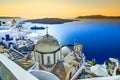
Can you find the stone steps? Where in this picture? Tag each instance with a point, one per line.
(16, 55)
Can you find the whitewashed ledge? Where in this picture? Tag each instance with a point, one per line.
(103, 78)
(9, 70)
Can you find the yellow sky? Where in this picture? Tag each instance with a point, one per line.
(58, 8)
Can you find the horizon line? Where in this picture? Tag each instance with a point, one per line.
(64, 17)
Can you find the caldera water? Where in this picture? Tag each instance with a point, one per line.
(100, 38)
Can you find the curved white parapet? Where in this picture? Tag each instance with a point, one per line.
(44, 75)
(99, 70)
(11, 69)
(117, 64)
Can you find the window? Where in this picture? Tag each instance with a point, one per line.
(48, 60)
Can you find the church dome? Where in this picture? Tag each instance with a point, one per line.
(46, 44)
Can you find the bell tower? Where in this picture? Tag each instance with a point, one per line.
(78, 49)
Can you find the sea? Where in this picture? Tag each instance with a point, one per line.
(100, 37)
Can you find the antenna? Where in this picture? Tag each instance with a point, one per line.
(46, 29)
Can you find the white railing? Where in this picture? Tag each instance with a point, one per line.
(17, 51)
(104, 78)
(78, 72)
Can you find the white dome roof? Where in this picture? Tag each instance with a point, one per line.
(65, 50)
(46, 44)
(44, 75)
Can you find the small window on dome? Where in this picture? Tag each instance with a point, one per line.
(48, 60)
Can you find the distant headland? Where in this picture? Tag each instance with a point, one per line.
(98, 17)
(50, 20)
(7, 17)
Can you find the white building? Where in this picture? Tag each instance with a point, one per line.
(47, 52)
(59, 60)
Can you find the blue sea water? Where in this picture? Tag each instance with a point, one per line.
(100, 38)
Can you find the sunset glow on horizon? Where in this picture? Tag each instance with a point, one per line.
(59, 8)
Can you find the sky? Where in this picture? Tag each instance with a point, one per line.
(58, 8)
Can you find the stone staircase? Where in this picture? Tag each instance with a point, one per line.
(15, 55)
